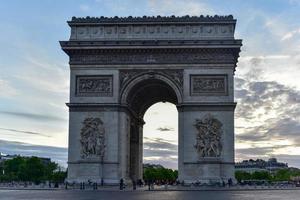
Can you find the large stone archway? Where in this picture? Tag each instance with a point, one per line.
(122, 66)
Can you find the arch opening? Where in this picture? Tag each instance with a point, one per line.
(160, 135)
(146, 92)
(139, 98)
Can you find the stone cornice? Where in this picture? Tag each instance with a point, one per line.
(152, 40)
(218, 106)
(152, 28)
(151, 44)
(148, 19)
(103, 107)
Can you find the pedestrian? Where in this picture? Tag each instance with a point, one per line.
(121, 184)
(229, 182)
(133, 184)
(149, 184)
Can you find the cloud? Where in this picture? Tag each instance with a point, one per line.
(162, 129)
(292, 160)
(159, 144)
(84, 7)
(27, 132)
(56, 154)
(34, 116)
(6, 89)
(290, 35)
(267, 116)
(161, 151)
(179, 7)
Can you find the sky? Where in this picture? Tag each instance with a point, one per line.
(34, 76)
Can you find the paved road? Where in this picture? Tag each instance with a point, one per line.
(149, 195)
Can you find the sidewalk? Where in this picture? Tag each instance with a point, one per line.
(160, 188)
(215, 188)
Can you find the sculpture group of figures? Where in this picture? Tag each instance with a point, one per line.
(92, 138)
(208, 137)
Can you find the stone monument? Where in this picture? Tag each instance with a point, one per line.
(122, 66)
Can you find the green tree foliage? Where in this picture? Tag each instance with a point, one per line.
(59, 176)
(279, 175)
(242, 175)
(30, 169)
(261, 175)
(286, 174)
(160, 174)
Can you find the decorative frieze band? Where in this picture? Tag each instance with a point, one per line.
(98, 85)
(208, 85)
(183, 56)
(150, 32)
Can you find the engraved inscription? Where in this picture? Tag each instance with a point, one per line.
(208, 85)
(94, 85)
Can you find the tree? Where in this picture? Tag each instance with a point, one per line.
(34, 170)
(59, 176)
(282, 175)
(31, 169)
(261, 175)
(160, 174)
(12, 168)
(242, 175)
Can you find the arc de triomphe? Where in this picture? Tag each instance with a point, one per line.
(122, 66)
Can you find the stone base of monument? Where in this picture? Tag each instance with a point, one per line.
(98, 181)
(208, 181)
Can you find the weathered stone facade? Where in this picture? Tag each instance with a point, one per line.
(122, 66)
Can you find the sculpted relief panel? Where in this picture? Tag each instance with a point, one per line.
(94, 86)
(208, 137)
(208, 85)
(92, 138)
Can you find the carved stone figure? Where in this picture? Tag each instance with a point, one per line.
(208, 138)
(92, 138)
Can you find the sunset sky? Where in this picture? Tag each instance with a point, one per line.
(34, 76)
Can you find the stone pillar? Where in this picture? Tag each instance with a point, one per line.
(140, 169)
(204, 164)
(124, 145)
(83, 166)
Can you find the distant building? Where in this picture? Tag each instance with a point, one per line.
(260, 165)
(4, 157)
(155, 166)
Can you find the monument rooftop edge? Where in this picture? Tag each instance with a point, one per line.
(152, 28)
(154, 19)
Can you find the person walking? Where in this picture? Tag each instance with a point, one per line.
(121, 184)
